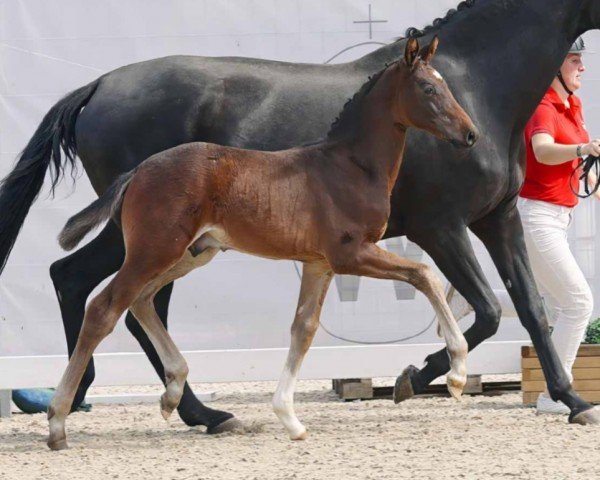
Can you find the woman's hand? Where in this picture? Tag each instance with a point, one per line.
(592, 148)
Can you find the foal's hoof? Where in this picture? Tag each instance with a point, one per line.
(60, 444)
(230, 425)
(403, 390)
(455, 388)
(588, 417)
(300, 436)
(166, 406)
(456, 382)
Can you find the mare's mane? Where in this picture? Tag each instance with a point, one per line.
(414, 32)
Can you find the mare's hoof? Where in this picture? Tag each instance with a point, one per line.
(403, 390)
(588, 417)
(58, 444)
(230, 425)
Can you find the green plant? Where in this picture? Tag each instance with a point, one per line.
(592, 334)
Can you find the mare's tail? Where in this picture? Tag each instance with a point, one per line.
(21, 186)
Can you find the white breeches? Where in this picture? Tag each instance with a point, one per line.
(567, 296)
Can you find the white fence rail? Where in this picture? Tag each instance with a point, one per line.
(258, 364)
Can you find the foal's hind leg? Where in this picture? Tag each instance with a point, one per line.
(100, 318)
(75, 277)
(315, 282)
(176, 369)
(372, 261)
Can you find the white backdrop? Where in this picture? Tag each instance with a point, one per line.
(50, 47)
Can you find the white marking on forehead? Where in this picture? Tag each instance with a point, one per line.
(436, 74)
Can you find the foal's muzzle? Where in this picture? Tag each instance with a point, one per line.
(469, 140)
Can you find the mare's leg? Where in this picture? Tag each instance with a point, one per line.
(502, 234)
(372, 261)
(452, 252)
(315, 281)
(100, 318)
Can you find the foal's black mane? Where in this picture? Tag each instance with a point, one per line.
(347, 118)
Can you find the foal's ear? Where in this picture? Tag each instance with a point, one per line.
(431, 49)
(411, 52)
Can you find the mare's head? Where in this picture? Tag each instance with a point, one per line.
(425, 101)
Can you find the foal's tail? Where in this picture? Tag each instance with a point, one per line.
(21, 186)
(103, 208)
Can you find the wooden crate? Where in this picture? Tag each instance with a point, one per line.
(586, 374)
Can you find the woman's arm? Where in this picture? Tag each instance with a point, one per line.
(550, 153)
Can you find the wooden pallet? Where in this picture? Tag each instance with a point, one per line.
(586, 374)
(488, 389)
(354, 389)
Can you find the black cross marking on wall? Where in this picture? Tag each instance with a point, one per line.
(370, 22)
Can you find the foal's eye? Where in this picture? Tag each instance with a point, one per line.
(429, 90)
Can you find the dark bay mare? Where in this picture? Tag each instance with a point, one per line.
(179, 208)
(513, 48)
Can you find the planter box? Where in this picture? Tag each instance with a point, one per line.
(586, 374)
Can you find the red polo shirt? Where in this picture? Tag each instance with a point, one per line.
(550, 183)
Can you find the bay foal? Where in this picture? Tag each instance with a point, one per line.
(325, 205)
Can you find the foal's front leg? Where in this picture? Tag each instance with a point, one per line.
(375, 262)
(316, 278)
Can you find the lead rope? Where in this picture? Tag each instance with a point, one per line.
(586, 166)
